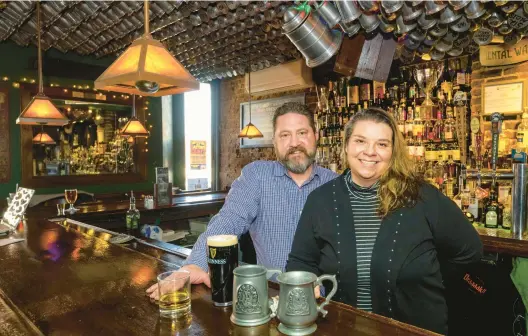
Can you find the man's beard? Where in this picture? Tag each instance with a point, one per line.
(297, 166)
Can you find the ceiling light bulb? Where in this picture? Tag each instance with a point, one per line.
(147, 86)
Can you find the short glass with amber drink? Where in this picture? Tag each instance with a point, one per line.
(174, 294)
(71, 197)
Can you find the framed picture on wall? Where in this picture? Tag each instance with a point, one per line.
(261, 116)
(506, 97)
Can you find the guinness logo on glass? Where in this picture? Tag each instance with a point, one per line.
(212, 251)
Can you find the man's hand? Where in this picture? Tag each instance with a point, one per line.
(198, 276)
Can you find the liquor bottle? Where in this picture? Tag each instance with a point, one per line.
(522, 133)
(449, 124)
(458, 197)
(429, 174)
(506, 213)
(439, 172)
(419, 154)
(438, 127)
(402, 116)
(492, 211)
(337, 99)
(449, 181)
(428, 131)
(343, 93)
(418, 123)
(352, 91)
(409, 123)
(132, 216)
(324, 99)
(331, 95)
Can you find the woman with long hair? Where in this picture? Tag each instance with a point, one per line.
(383, 230)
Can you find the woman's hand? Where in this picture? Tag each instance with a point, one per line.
(317, 292)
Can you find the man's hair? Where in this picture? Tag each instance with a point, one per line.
(293, 107)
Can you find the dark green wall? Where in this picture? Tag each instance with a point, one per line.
(15, 64)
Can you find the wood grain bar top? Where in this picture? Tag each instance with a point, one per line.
(69, 280)
(190, 206)
(500, 241)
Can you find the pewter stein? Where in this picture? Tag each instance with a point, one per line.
(251, 304)
(297, 309)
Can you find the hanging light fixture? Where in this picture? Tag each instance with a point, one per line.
(147, 68)
(134, 127)
(43, 138)
(41, 110)
(250, 131)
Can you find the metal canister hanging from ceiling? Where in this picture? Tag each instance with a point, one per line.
(424, 29)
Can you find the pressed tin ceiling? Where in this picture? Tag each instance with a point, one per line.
(210, 38)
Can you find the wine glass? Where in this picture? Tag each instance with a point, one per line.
(71, 196)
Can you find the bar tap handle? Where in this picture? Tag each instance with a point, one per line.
(496, 126)
(478, 147)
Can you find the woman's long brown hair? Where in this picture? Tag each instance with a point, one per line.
(400, 185)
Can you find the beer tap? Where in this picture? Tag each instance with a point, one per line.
(495, 174)
(496, 127)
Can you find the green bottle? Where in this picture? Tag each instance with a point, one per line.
(132, 216)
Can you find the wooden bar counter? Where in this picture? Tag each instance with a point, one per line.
(69, 280)
(109, 214)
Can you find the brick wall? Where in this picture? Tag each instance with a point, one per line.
(481, 75)
(232, 157)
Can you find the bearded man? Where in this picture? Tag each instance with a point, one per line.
(268, 196)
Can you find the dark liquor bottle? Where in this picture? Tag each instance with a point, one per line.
(331, 95)
(492, 209)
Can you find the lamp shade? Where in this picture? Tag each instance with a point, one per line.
(41, 111)
(134, 128)
(147, 68)
(43, 139)
(250, 132)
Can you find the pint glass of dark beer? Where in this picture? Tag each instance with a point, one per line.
(222, 257)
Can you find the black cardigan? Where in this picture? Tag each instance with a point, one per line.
(412, 243)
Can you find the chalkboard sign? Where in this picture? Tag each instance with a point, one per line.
(261, 116)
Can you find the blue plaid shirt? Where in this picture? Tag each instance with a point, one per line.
(267, 202)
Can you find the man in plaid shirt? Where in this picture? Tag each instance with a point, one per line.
(268, 196)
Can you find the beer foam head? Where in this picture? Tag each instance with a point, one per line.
(222, 240)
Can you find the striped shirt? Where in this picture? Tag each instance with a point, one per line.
(364, 203)
(267, 202)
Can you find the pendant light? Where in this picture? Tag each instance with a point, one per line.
(43, 138)
(250, 131)
(41, 110)
(147, 68)
(134, 127)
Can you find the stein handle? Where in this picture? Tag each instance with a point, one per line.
(319, 282)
